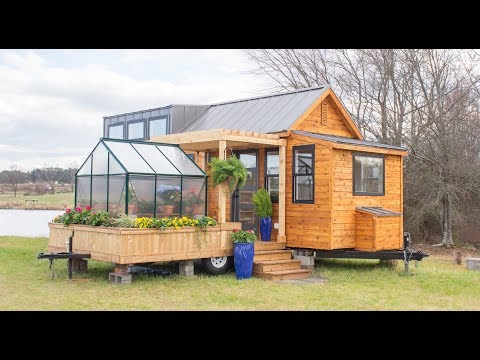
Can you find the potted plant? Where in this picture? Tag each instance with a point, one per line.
(263, 208)
(231, 170)
(243, 250)
(170, 195)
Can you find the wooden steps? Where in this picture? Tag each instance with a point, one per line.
(272, 255)
(284, 274)
(269, 245)
(272, 262)
(273, 265)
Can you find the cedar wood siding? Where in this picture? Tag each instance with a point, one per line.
(308, 225)
(344, 203)
(330, 223)
(335, 121)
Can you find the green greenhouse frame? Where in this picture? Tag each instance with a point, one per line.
(141, 178)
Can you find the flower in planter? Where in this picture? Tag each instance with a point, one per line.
(243, 236)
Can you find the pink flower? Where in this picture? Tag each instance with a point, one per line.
(88, 208)
(250, 231)
(235, 230)
(68, 211)
(78, 209)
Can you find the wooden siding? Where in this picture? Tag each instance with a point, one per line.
(344, 202)
(364, 232)
(334, 124)
(308, 225)
(130, 246)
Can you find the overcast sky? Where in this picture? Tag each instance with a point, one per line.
(52, 101)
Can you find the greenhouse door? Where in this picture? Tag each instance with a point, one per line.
(242, 209)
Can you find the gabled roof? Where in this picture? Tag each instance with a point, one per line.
(271, 113)
(348, 141)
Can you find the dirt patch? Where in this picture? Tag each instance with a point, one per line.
(447, 253)
(314, 279)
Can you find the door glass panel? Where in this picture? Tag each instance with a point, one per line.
(243, 210)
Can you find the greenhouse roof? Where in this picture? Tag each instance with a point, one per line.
(113, 156)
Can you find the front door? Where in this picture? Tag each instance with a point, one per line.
(242, 209)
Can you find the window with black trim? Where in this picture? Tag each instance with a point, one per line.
(157, 127)
(115, 131)
(303, 174)
(136, 130)
(271, 173)
(368, 174)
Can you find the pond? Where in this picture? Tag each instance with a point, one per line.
(26, 222)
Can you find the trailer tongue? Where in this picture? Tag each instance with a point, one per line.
(70, 255)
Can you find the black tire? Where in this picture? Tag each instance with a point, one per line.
(215, 266)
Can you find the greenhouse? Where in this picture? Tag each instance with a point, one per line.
(142, 179)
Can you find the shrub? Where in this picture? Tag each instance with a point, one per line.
(262, 202)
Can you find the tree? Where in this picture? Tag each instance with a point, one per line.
(52, 175)
(426, 100)
(13, 178)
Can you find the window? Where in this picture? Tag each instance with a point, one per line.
(136, 130)
(368, 174)
(271, 173)
(191, 156)
(303, 173)
(157, 127)
(115, 131)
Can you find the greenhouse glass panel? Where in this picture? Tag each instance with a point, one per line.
(99, 192)
(113, 166)
(141, 194)
(82, 191)
(116, 194)
(100, 160)
(129, 158)
(156, 159)
(168, 193)
(193, 197)
(86, 168)
(181, 160)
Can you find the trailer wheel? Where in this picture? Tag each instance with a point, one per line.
(217, 265)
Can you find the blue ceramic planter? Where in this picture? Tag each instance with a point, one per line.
(243, 260)
(265, 228)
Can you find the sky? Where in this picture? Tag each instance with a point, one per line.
(52, 102)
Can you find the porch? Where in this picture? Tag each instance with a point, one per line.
(255, 149)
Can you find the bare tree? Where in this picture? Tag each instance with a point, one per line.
(426, 100)
(13, 178)
(52, 175)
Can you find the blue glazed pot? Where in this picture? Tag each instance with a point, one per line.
(265, 228)
(243, 260)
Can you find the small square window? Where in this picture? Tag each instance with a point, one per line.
(368, 174)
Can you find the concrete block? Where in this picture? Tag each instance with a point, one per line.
(473, 263)
(119, 279)
(186, 268)
(307, 262)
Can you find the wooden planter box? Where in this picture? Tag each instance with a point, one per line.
(130, 246)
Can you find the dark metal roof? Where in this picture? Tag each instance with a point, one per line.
(377, 211)
(265, 114)
(349, 141)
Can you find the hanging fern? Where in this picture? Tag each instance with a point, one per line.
(231, 170)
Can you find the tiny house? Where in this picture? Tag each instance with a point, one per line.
(331, 188)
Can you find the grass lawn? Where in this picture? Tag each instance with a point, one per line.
(26, 284)
(57, 201)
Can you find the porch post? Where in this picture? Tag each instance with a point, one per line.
(222, 198)
(282, 157)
